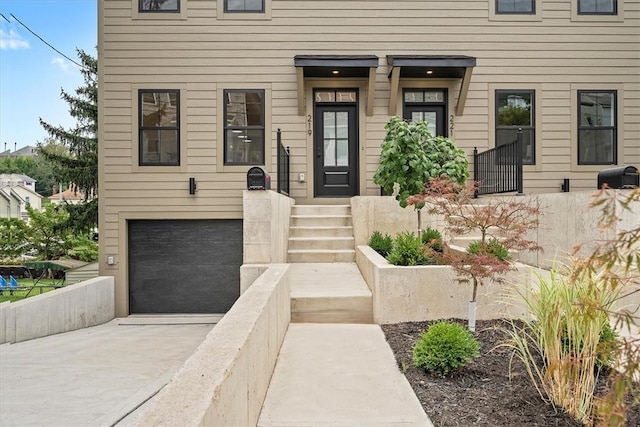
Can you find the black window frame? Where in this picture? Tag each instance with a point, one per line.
(409, 106)
(531, 128)
(142, 128)
(247, 128)
(142, 10)
(596, 13)
(614, 127)
(531, 12)
(227, 10)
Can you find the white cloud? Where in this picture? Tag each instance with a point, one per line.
(62, 63)
(12, 41)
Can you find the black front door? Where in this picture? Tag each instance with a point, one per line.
(335, 146)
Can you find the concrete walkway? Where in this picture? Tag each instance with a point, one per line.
(339, 375)
(94, 376)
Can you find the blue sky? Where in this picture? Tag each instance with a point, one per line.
(31, 73)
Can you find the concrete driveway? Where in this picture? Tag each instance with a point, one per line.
(95, 376)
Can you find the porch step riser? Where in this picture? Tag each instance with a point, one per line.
(315, 210)
(332, 310)
(321, 243)
(319, 232)
(318, 256)
(321, 221)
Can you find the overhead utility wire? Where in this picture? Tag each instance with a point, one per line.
(5, 18)
(43, 40)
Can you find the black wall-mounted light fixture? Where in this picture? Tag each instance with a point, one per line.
(565, 185)
(192, 186)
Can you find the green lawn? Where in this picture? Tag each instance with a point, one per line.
(42, 286)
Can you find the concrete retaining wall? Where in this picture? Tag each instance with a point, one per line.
(567, 221)
(84, 304)
(431, 292)
(265, 227)
(225, 381)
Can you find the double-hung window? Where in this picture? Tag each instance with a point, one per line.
(159, 6)
(597, 127)
(515, 112)
(159, 127)
(250, 6)
(515, 6)
(597, 7)
(244, 129)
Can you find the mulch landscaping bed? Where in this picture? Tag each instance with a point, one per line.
(486, 392)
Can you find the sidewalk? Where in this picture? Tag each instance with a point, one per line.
(339, 375)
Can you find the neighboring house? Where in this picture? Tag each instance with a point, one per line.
(69, 195)
(14, 179)
(28, 150)
(198, 88)
(28, 196)
(11, 204)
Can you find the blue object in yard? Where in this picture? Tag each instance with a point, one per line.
(3, 283)
(13, 282)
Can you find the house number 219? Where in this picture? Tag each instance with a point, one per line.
(309, 131)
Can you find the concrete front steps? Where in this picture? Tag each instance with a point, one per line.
(321, 233)
(329, 293)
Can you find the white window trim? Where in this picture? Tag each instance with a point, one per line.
(269, 138)
(245, 16)
(515, 17)
(135, 128)
(537, 88)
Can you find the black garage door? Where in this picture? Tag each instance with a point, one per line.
(184, 266)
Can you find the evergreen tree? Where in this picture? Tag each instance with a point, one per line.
(79, 166)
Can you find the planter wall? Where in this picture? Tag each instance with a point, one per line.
(432, 292)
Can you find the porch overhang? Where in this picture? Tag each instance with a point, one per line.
(336, 67)
(430, 67)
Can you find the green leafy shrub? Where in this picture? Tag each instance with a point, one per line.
(444, 348)
(490, 247)
(381, 243)
(408, 250)
(433, 239)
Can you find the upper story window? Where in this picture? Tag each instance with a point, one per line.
(159, 5)
(244, 127)
(515, 111)
(597, 7)
(597, 127)
(515, 6)
(159, 127)
(256, 6)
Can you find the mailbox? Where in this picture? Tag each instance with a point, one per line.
(622, 177)
(257, 179)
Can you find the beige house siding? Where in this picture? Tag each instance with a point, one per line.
(201, 52)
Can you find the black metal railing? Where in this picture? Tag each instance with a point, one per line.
(283, 165)
(499, 170)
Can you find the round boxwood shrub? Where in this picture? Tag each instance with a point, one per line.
(490, 247)
(444, 348)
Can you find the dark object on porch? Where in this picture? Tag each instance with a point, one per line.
(620, 177)
(499, 170)
(283, 166)
(258, 179)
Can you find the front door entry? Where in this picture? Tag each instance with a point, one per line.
(335, 144)
(434, 115)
